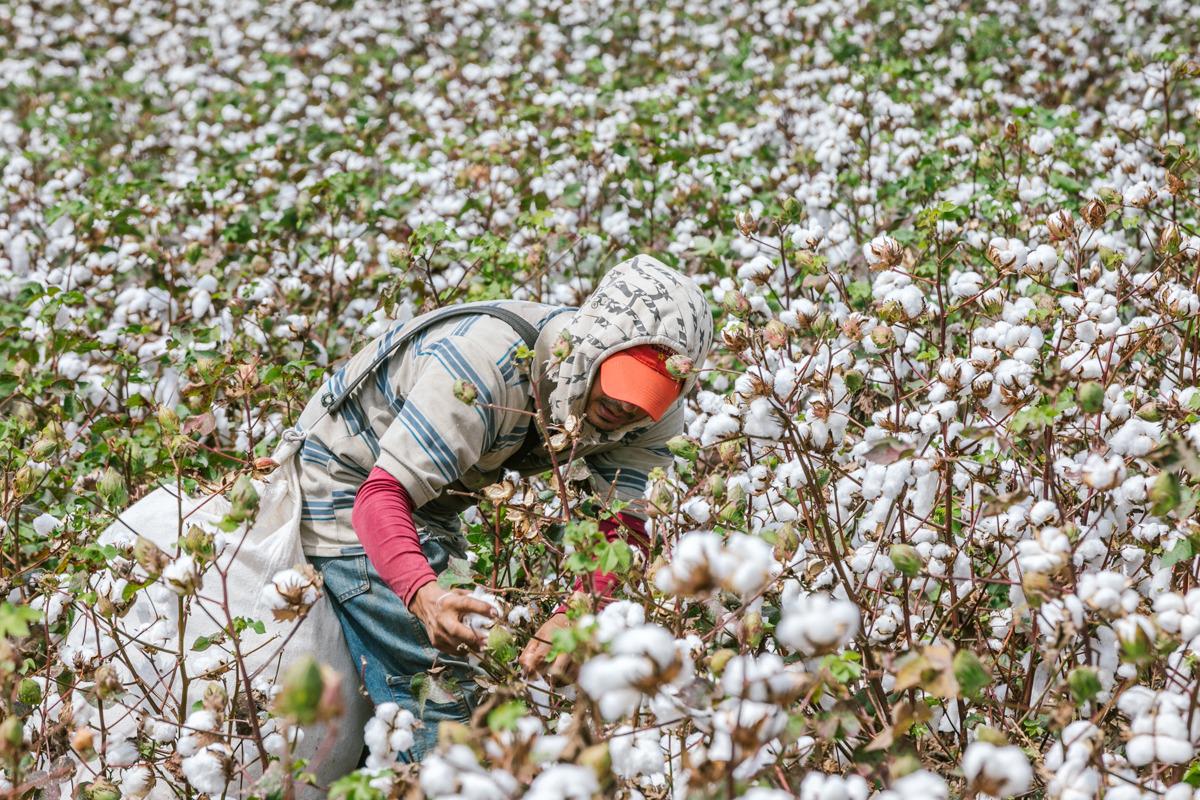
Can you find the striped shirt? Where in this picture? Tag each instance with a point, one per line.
(406, 420)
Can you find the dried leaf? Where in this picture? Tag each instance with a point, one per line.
(204, 424)
(888, 451)
(999, 503)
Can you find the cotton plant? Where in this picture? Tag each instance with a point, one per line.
(952, 405)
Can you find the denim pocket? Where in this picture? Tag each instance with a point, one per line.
(344, 577)
(437, 706)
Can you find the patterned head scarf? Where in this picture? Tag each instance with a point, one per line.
(639, 301)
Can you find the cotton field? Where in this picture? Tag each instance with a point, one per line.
(930, 531)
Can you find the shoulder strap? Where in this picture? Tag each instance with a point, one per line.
(333, 402)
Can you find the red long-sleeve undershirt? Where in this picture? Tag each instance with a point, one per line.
(382, 518)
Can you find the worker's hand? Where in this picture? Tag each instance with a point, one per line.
(533, 657)
(441, 611)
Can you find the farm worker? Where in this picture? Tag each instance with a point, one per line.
(392, 453)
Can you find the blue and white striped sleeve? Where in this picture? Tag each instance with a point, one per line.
(435, 437)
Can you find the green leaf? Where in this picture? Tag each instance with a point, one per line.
(504, 716)
(419, 687)
(615, 557)
(1165, 493)
(15, 619)
(1084, 684)
(970, 673)
(1060, 181)
(355, 786)
(1180, 552)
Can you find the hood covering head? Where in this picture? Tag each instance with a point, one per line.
(639, 301)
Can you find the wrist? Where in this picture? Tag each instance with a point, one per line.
(424, 598)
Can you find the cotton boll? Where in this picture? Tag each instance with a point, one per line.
(758, 269)
(636, 753)
(1041, 261)
(616, 618)
(564, 782)
(1045, 553)
(820, 786)
(1041, 142)
(763, 420)
(702, 562)
(207, 770)
(1043, 512)
(816, 623)
(1102, 474)
(698, 508)
(1159, 737)
(290, 593)
(998, 771)
(136, 782)
(883, 251)
(1107, 592)
(45, 524)
(388, 733)
(1136, 437)
(479, 623)
(919, 785)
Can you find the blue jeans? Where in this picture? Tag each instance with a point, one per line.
(389, 644)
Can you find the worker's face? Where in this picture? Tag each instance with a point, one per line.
(608, 413)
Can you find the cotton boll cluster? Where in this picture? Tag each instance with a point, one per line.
(702, 562)
(1159, 727)
(1000, 771)
(292, 592)
(388, 734)
(456, 772)
(639, 662)
(815, 623)
(208, 769)
(822, 786)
